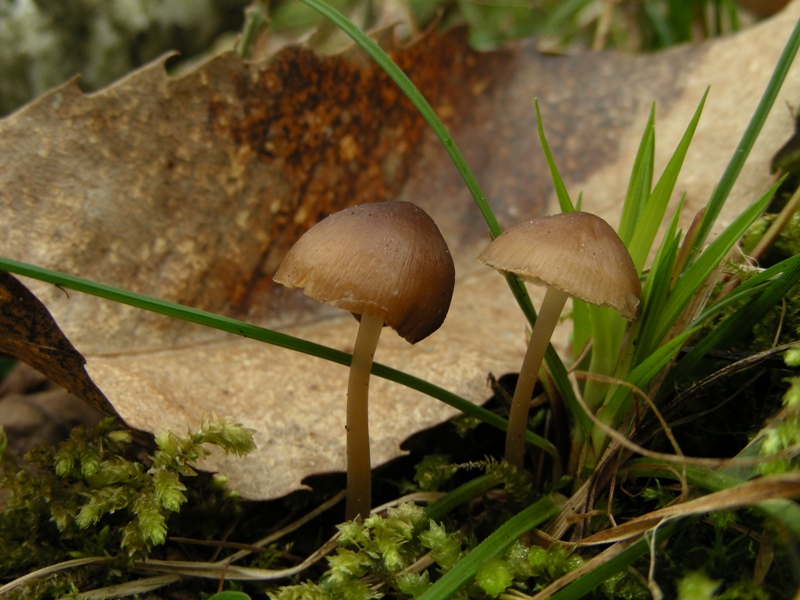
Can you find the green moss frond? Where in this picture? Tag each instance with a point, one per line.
(94, 495)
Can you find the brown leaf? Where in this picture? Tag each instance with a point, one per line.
(30, 334)
(191, 189)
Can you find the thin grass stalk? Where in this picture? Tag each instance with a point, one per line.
(262, 334)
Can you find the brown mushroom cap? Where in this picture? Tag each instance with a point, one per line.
(577, 252)
(386, 259)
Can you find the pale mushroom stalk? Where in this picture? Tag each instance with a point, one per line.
(574, 254)
(546, 321)
(387, 258)
(359, 485)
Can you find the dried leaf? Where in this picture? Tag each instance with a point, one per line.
(222, 170)
(770, 488)
(30, 334)
(191, 189)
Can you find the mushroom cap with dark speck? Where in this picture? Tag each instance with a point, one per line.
(386, 259)
(576, 252)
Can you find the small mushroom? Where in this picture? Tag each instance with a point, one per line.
(388, 264)
(573, 254)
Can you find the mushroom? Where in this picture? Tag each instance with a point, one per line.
(574, 254)
(388, 264)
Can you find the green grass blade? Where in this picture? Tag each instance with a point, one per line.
(581, 327)
(655, 290)
(608, 329)
(476, 486)
(694, 276)
(493, 546)
(620, 403)
(582, 423)
(457, 402)
(748, 287)
(641, 181)
(562, 194)
(661, 25)
(652, 214)
(644, 372)
(723, 188)
(738, 324)
(262, 334)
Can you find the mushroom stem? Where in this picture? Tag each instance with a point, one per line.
(359, 485)
(552, 305)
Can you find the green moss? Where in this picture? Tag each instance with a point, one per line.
(697, 586)
(383, 547)
(95, 496)
(494, 577)
(433, 471)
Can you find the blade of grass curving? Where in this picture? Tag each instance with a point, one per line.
(694, 276)
(457, 402)
(641, 181)
(261, 334)
(652, 213)
(732, 11)
(734, 167)
(709, 479)
(562, 194)
(739, 323)
(582, 422)
(494, 545)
